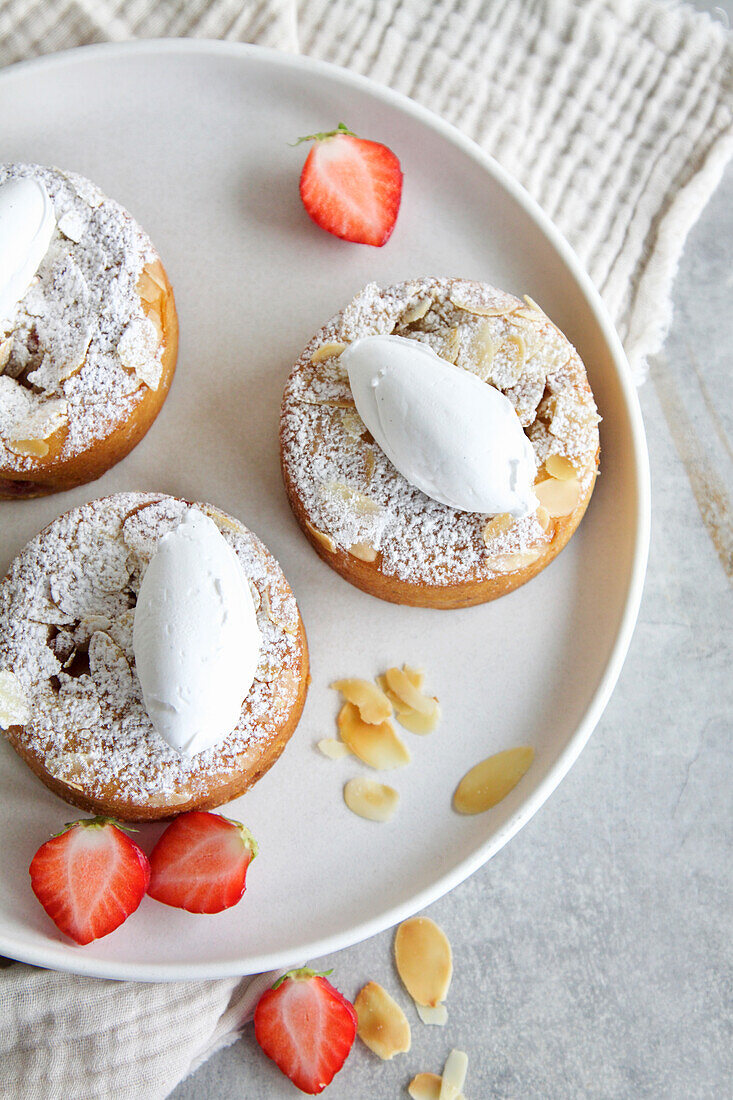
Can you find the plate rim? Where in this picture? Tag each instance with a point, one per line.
(64, 957)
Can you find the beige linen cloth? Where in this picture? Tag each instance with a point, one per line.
(617, 115)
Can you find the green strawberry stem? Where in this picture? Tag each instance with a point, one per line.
(342, 128)
(95, 823)
(304, 974)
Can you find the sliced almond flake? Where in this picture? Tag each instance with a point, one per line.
(398, 704)
(533, 305)
(382, 1025)
(73, 225)
(543, 518)
(358, 502)
(482, 350)
(376, 745)
(415, 722)
(369, 464)
(41, 424)
(416, 676)
(138, 351)
(6, 346)
(156, 272)
(328, 351)
(513, 350)
(255, 594)
(435, 1016)
(474, 301)
(353, 425)
(109, 667)
(400, 683)
(491, 780)
(424, 960)
(497, 526)
(425, 1086)
(454, 1075)
(14, 708)
(31, 448)
(371, 800)
(416, 312)
(149, 288)
(321, 536)
(371, 702)
(331, 402)
(560, 467)
(451, 346)
(511, 563)
(333, 748)
(268, 670)
(363, 551)
(558, 498)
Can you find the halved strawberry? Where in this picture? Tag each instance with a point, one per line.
(351, 187)
(200, 863)
(89, 878)
(307, 1027)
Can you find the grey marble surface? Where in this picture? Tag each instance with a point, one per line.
(593, 954)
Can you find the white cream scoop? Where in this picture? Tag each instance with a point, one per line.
(27, 222)
(195, 637)
(449, 434)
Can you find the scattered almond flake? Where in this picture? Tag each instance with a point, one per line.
(371, 800)
(416, 312)
(67, 326)
(488, 782)
(375, 745)
(42, 422)
(353, 425)
(138, 349)
(363, 552)
(400, 707)
(498, 526)
(543, 518)
(14, 709)
(327, 351)
(424, 960)
(454, 1075)
(560, 467)
(400, 683)
(416, 676)
(417, 539)
(362, 504)
(94, 730)
(382, 1025)
(558, 498)
(149, 286)
(416, 722)
(371, 702)
(31, 448)
(5, 349)
(434, 1016)
(333, 748)
(426, 1086)
(511, 563)
(73, 224)
(320, 536)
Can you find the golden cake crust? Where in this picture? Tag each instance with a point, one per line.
(66, 612)
(381, 533)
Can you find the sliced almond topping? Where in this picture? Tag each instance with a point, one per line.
(6, 346)
(148, 289)
(369, 464)
(382, 1024)
(327, 351)
(497, 526)
(425, 1086)
(465, 297)
(560, 467)
(454, 1075)
(416, 676)
(373, 705)
(482, 350)
(371, 800)
(533, 305)
(543, 518)
(363, 551)
(33, 448)
(436, 1016)
(333, 748)
(559, 498)
(399, 682)
(488, 782)
(424, 960)
(359, 502)
(14, 709)
(353, 425)
(322, 537)
(399, 706)
(416, 312)
(510, 563)
(377, 745)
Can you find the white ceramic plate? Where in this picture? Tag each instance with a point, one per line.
(193, 138)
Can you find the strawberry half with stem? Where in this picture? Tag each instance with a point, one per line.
(351, 187)
(89, 878)
(200, 863)
(307, 1027)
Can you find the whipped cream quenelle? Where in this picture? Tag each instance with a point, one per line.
(27, 222)
(449, 434)
(195, 637)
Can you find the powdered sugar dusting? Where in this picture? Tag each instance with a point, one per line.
(66, 617)
(348, 487)
(79, 337)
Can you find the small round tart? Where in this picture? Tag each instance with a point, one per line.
(88, 357)
(69, 691)
(365, 519)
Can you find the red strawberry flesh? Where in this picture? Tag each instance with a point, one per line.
(307, 1028)
(200, 863)
(352, 187)
(89, 879)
